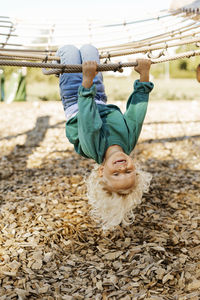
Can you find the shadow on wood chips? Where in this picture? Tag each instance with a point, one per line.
(50, 248)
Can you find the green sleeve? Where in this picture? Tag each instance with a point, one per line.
(136, 109)
(90, 134)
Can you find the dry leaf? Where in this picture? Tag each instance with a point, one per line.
(195, 285)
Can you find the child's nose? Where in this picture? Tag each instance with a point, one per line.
(122, 167)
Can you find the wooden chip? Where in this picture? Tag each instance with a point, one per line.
(51, 248)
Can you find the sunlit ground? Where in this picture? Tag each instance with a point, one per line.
(50, 248)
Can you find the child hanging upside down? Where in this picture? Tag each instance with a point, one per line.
(100, 131)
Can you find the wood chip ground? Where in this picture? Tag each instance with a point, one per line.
(50, 248)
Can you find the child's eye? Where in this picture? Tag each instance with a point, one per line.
(128, 171)
(115, 174)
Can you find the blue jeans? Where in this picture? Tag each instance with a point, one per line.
(70, 82)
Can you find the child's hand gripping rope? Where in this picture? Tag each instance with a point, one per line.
(89, 72)
(143, 68)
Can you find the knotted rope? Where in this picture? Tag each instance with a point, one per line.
(119, 67)
(61, 68)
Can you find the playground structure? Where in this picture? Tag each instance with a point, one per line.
(166, 30)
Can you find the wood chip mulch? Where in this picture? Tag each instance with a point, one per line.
(50, 248)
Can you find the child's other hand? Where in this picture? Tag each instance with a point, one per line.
(89, 69)
(143, 65)
(143, 68)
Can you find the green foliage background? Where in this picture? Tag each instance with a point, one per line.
(181, 68)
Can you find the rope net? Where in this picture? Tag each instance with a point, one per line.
(25, 44)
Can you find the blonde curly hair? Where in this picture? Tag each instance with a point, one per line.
(109, 209)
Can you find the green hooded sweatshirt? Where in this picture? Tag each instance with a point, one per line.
(96, 126)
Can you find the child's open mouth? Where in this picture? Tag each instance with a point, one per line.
(120, 161)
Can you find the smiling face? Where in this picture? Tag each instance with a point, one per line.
(118, 172)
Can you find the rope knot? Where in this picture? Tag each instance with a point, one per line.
(119, 68)
(107, 58)
(46, 58)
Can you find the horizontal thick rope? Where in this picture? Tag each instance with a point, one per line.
(120, 66)
(65, 68)
(61, 68)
